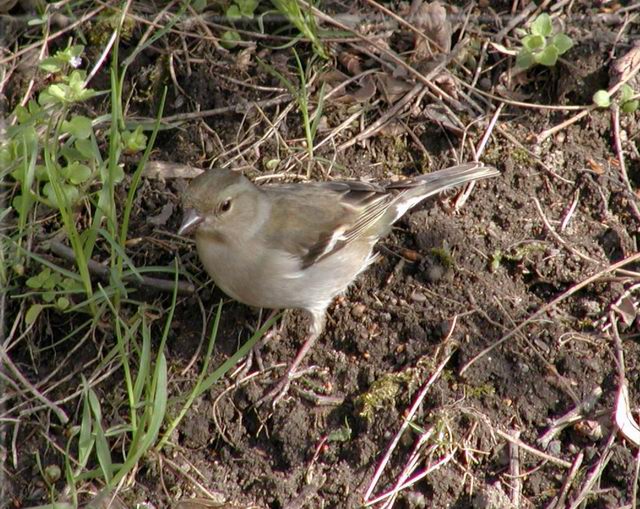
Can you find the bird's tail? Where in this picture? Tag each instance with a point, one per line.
(417, 189)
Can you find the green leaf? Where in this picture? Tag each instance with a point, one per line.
(199, 5)
(22, 114)
(542, 25)
(62, 303)
(548, 56)
(7, 154)
(118, 173)
(247, 7)
(229, 39)
(32, 313)
(602, 99)
(76, 50)
(525, 59)
(48, 296)
(562, 42)
(630, 106)
(41, 173)
(39, 20)
(34, 282)
(85, 441)
(85, 147)
(49, 279)
(70, 284)
(71, 194)
(76, 173)
(134, 141)
(52, 64)
(29, 143)
(626, 93)
(78, 126)
(533, 42)
(59, 91)
(102, 447)
(233, 13)
(17, 202)
(77, 90)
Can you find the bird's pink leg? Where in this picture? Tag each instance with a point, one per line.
(282, 387)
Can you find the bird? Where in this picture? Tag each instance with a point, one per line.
(299, 245)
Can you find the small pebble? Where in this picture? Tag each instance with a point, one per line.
(418, 297)
(554, 448)
(357, 311)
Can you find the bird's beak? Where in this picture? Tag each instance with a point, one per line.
(190, 222)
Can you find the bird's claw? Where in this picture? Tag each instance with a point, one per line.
(281, 389)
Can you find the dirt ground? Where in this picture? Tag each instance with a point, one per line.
(501, 314)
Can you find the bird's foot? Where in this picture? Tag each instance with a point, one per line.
(253, 359)
(281, 389)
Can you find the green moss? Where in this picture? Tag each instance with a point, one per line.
(101, 30)
(443, 256)
(479, 391)
(521, 157)
(382, 394)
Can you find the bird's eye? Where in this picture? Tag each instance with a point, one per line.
(225, 206)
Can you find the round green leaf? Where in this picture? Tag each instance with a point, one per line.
(233, 13)
(230, 38)
(85, 147)
(62, 303)
(542, 25)
(51, 64)
(41, 173)
(34, 282)
(71, 193)
(548, 56)
(272, 164)
(602, 99)
(78, 126)
(630, 106)
(199, 5)
(77, 173)
(17, 202)
(76, 50)
(626, 93)
(525, 59)
(247, 7)
(562, 42)
(533, 42)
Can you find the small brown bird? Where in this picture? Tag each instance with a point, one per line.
(282, 246)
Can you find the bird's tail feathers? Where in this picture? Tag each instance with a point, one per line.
(420, 188)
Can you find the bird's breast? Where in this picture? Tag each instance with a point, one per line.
(271, 278)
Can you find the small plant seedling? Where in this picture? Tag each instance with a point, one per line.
(304, 21)
(627, 100)
(54, 290)
(237, 10)
(541, 46)
(133, 141)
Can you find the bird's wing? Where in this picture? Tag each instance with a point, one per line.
(313, 221)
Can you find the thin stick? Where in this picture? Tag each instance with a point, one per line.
(405, 424)
(164, 285)
(550, 306)
(536, 452)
